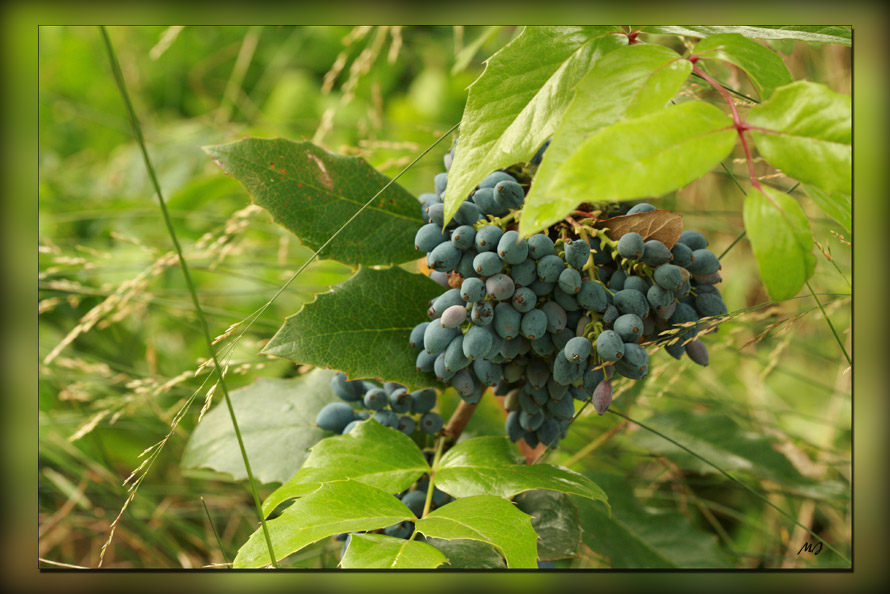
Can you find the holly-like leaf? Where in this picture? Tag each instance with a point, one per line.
(837, 205)
(362, 327)
(333, 508)
(781, 239)
(370, 453)
(555, 519)
(487, 519)
(468, 554)
(645, 156)
(277, 422)
(842, 35)
(517, 102)
(312, 193)
(663, 225)
(806, 130)
(763, 66)
(377, 551)
(723, 442)
(491, 466)
(628, 82)
(639, 537)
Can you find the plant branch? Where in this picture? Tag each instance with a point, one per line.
(458, 421)
(719, 88)
(428, 502)
(740, 126)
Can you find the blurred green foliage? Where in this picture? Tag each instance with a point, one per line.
(119, 343)
(382, 93)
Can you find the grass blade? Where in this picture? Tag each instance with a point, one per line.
(137, 131)
(830, 325)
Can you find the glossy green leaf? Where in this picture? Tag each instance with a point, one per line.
(377, 551)
(277, 422)
(487, 519)
(468, 554)
(312, 193)
(362, 327)
(719, 439)
(378, 456)
(640, 537)
(641, 157)
(342, 506)
(808, 135)
(763, 66)
(837, 205)
(781, 239)
(517, 102)
(491, 466)
(842, 35)
(555, 520)
(630, 81)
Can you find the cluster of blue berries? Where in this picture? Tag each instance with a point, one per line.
(391, 404)
(414, 498)
(549, 319)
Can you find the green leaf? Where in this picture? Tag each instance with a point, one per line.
(312, 193)
(362, 327)
(468, 554)
(645, 156)
(640, 537)
(836, 205)
(808, 135)
(491, 466)
(377, 551)
(764, 67)
(630, 81)
(343, 506)
(555, 520)
(517, 102)
(722, 441)
(781, 239)
(813, 34)
(487, 519)
(378, 456)
(277, 422)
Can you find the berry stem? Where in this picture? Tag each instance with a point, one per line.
(572, 222)
(601, 233)
(440, 443)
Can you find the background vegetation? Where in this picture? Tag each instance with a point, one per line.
(119, 345)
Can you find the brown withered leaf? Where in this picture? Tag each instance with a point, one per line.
(663, 225)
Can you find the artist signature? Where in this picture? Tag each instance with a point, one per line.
(814, 549)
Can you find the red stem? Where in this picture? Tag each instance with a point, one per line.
(740, 126)
(735, 114)
(750, 160)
